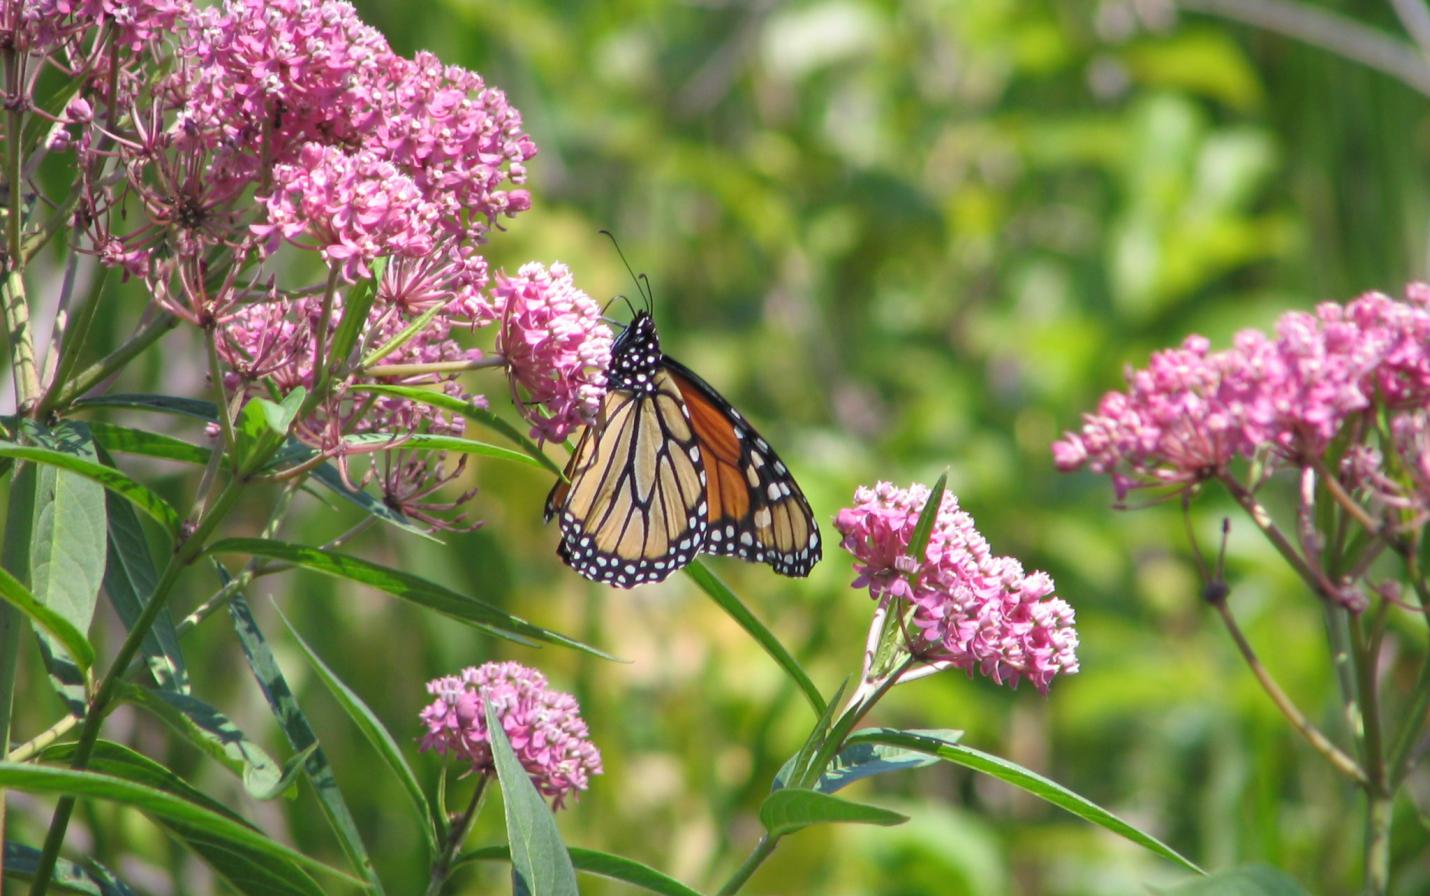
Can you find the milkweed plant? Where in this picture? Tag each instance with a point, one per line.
(212, 153)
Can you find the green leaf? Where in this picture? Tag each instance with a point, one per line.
(253, 854)
(355, 306)
(788, 810)
(923, 529)
(539, 859)
(141, 496)
(442, 443)
(467, 410)
(301, 737)
(250, 871)
(1248, 880)
(123, 439)
(417, 325)
(110, 758)
(377, 735)
(89, 879)
(67, 548)
(736, 610)
(215, 734)
(593, 861)
(402, 585)
(47, 620)
(129, 579)
(262, 426)
(164, 404)
(1024, 779)
(855, 762)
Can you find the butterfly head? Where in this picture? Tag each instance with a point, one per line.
(636, 357)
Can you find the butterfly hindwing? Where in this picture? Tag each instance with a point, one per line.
(757, 511)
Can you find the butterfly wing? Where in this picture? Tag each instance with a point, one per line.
(635, 509)
(756, 509)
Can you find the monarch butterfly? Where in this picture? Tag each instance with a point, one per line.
(670, 469)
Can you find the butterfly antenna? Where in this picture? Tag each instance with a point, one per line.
(649, 294)
(642, 288)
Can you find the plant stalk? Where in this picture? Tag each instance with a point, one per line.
(442, 867)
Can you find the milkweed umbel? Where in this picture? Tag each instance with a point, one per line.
(669, 469)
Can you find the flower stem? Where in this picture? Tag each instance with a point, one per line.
(1262, 519)
(747, 868)
(188, 551)
(442, 867)
(1366, 646)
(386, 370)
(1318, 741)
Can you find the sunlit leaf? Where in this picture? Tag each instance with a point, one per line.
(788, 810)
(403, 585)
(253, 855)
(539, 858)
(1024, 779)
(141, 496)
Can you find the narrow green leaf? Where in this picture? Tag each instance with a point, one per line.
(300, 734)
(141, 496)
(467, 410)
(795, 767)
(355, 306)
(125, 440)
(443, 443)
(129, 579)
(402, 585)
(377, 735)
(538, 857)
(923, 529)
(250, 872)
(52, 623)
(593, 861)
(1248, 880)
(67, 549)
(89, 879)
(215, 734)
(789, 810)
(217, 830)
(110, 758)
(1024, 779)
(736, 610)
(164, 404)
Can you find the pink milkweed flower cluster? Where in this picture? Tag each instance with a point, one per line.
(556, 345)
(544, 726)
(972, 610)
(216, 146)
(1192, 411)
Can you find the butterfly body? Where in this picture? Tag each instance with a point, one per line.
(669, 469)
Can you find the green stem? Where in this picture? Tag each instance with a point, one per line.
(31, 748)
(1378, 815)
(189, 550)
(383, 370)
(68, 341)
(1318, 741)
(762, 851)
(100, 370)
(442, 867)
(15, 556)
(1262, 519)
(17, 309)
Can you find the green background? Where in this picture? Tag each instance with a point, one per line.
(901, 237)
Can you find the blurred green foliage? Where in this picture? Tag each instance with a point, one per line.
(901, 236)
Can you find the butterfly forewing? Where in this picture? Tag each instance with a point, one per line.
(635, 508)
(757, 511)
